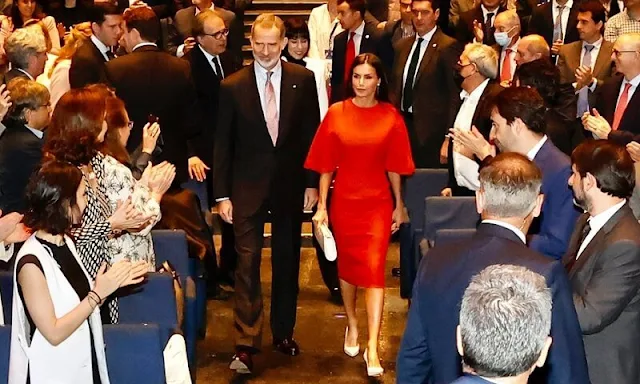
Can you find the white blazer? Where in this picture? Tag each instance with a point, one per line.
(70, 361)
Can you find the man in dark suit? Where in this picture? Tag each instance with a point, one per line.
(152, 82)
(422, 85)
(210, 64)
(505, 322)
(358, 37)
(556, 21)
(477, 24)
(27, 53)
(617, 100)
(508, 30)
(88, 63)
(586, 64)
(21, 143)
(603, 261)
(268, 116)
(185, 21)
(508, 200)
(478, 67)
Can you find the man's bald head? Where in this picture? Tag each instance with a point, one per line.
(508, 19)
(532, 47)
(626, 55)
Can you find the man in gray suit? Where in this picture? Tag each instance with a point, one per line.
(587, 63)
(185, 19)
(603, 262)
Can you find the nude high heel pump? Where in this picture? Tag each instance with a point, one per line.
(350, 351)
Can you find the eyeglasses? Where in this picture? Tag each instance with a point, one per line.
(618, 53)
(218, 35)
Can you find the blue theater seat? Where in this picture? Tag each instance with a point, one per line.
(134, 353)
(423, 183)
(153, 302)
(448, 213)
(5, 345)
(6, 295)
(171, 245)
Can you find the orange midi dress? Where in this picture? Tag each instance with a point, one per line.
(361, 145)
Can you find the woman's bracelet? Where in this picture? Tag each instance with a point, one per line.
(97, 298)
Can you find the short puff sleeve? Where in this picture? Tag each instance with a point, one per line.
(398, 158)
(323, 154)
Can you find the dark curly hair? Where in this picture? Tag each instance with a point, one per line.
(75, 126)
(542, 75)
(51, 194)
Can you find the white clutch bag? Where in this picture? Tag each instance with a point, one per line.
(326, 241)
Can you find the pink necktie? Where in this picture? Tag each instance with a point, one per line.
(271, 114)
(622, 105)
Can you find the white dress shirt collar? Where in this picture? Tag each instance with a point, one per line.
(476, 93)
(26, 73)
(262, 72)
(508, 226)
(101, 46)
(596, 45)
(427, 36)
(485, 11)
(359, 31)
(143, 44)
(39, 134)
(597, 222)
(634, 82)
(567, 5)
(536, 148)
(212, 7)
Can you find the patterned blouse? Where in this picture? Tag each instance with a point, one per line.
(119, 184)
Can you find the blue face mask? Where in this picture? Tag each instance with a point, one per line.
(502, 38)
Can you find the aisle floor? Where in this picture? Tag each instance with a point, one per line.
(319, 332)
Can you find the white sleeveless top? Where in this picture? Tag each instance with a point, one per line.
(70, 361)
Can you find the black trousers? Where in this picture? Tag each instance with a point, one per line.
(425, 154)
(285, 264)
(228, 255)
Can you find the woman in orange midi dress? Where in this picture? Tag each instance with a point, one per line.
(364, 141)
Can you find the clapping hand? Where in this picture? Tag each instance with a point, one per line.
(584, 77)
(150, 134)
(473, 141)
(478, 32)
(189, 44)
(555, 48)
(5, 101)
(120, 274)
(161, 178)
(126, 216)
(596, 124)
(634, 150)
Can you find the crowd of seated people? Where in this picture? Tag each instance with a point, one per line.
(122, 117)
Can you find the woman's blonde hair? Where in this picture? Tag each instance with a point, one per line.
(72, 41)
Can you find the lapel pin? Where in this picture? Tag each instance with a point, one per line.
(366, 36)
(295, 86)
(434, 45)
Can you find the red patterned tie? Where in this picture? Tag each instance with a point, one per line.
(622, 105)
(349, 57)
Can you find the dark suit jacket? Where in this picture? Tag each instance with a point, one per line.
(370, 43)
(14, 74)
(247, 167)
(207, 90)
(551, 231)
(606, 294)
(87, 66)
(435, 95)
(470, 379)
(464, 29)
(606, 100)
(20, 155)
(428, 349)
(569, 61)
(482, 121)
(185, 19)
(541, 23)
(150, 81)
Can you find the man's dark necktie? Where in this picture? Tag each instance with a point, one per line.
(407, 92)
(110, 55)
(216, 64)
(487, 26)
(583, 235)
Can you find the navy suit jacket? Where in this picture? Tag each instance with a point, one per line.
(551, 231)
(428, 351)
(471, 379)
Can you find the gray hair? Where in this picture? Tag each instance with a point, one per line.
(25, 95)
(505, 319)
(23, 44)
(267, 21)
(484, 57)
(510, 184)
(511, 18)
